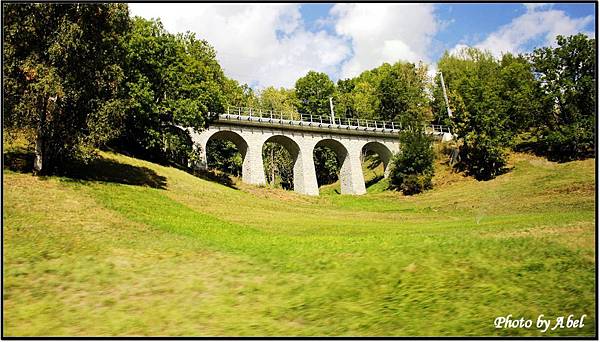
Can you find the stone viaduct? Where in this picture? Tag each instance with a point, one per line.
(299, 136)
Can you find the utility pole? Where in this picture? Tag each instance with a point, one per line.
(445, 96)
(331, 108)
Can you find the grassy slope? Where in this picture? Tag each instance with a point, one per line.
(198, 258)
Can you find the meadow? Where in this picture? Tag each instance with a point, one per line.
(141, 249)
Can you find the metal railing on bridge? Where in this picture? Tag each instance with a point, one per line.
(295, 118)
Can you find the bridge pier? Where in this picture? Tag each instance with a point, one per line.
(200, 151)
(253, 171)
(351, 176)
(305, 177)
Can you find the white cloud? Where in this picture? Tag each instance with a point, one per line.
(385, 33)
(536, 5)
(457, 49)
(261, 45)
(536, 24)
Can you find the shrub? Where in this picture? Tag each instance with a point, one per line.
(567, 143)
(412, 168)
(482, 157)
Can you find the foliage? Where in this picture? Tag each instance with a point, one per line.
(568, 142)
(172, 80)
(412, 168)
(567, 75)
(327, 165)
(278, 166)
(521, 95)
(391, 92)
(279, 100)
(402, 93)
(54, 81)
(313, 92)
(479, 115)
(223, 155)
(237, 95)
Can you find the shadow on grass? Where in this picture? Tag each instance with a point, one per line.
(373, 181)
(216, 176)
(108, 170)
(100, 170)
(18, 161)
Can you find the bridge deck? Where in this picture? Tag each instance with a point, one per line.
(318, 124)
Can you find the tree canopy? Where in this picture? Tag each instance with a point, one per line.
(63, 76)
(313, 92)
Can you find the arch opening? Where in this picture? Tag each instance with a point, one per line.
(281, 162)
(329, 157)
(225, 152)
(375, 160)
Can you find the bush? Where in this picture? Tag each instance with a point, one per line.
(412, 168)
(567, 143)
(482, 157)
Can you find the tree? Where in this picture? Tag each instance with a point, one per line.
(313, 92)
(223, 155)
(278, 165)
(521, 94)
(567, 76)
(62, 72)
(391, 92)
(412, 168)
(237, 95)
(342, 99)
(402, 93)
(479, 115)
(172, 81)
(327, 165)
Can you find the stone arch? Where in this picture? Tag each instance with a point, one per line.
(384, 153)
(351, 177)
(232, 136)
(252, 167)
(293, 149)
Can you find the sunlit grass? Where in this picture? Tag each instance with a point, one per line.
(198, 258)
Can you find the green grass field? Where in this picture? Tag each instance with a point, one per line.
(186, 256)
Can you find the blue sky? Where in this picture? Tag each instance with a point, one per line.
(265, 44)
(466, 23)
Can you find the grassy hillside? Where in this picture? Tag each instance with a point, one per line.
(142, 249)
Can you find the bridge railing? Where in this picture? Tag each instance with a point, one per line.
(309, 119)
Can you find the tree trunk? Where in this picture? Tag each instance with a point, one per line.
(38, 163)
(272, 168)
(39, 166)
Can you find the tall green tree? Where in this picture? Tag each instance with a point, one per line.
(278, 165)
(480, 118)
(391, 92)
(568, 77)
(62, 73)
(237, 95)
(342, 99)
(402, 91)
(522, 98)
(279, 100)
(313, 92)
(413, 167)
(172, 81)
